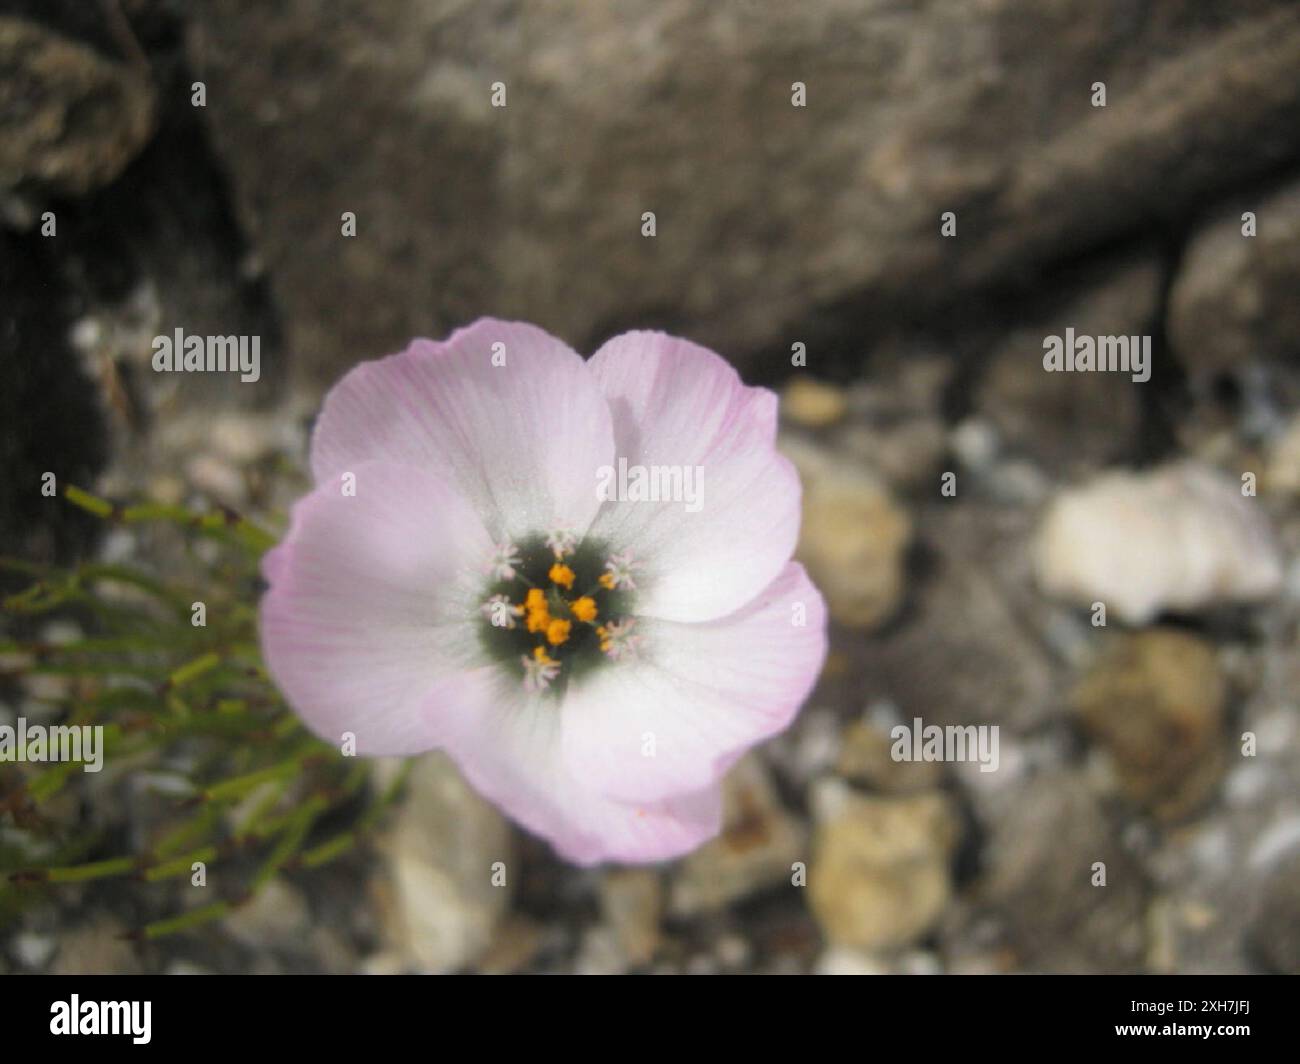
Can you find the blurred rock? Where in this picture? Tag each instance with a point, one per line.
(686, 111)
(701, 964)
(810, 746)
(96, 948)
(183, 967)
(1180, 538)
(758, 844)
(1045, 840)
(840, 961)
(1070, 421)
(31, 950)
(246, 438)
(516, 942)
(276, 916)
(1155, 701)
(217, 478)
(967, 648)
(599, 954)
(631, 900)
(865, 758)
(905, 452)
(880, 873)
(853, 539)
(1275, 933)
(1230, 879)
(896, 426)
(387, 962)
(734, 952)
(331, 950)
(438, 904)
(919, 962)
(1283, 472)
(1233, 302)
(70, 120)
(975, 444)
(813, 404)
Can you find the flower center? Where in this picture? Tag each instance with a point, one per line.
(556, 608)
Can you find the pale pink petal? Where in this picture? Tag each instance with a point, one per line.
(364, 627)
(521, 439)
(678, 404)
(508, 747)
(699, 695)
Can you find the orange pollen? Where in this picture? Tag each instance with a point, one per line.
(584, 608)
(561, 574)
(557, 632)
(539, 616)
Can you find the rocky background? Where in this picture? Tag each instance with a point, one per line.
(776, 225)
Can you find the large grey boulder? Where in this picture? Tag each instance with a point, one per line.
(767, 214)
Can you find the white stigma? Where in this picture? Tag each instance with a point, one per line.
(562, 542)
(618, 641)
(539, 674)
(621, 567)
(504, 560)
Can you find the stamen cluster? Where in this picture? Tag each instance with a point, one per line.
(557, 606)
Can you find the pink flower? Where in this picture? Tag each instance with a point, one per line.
(641, 646)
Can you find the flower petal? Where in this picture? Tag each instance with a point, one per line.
(678, 404)
(522, 438)
(674, 721)
(366, 624)
(508, 747)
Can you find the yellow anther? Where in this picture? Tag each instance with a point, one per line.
(538, 614)
(584, 608)
(607, 581)
(543, 658)
(557, 632)
(561, 574)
